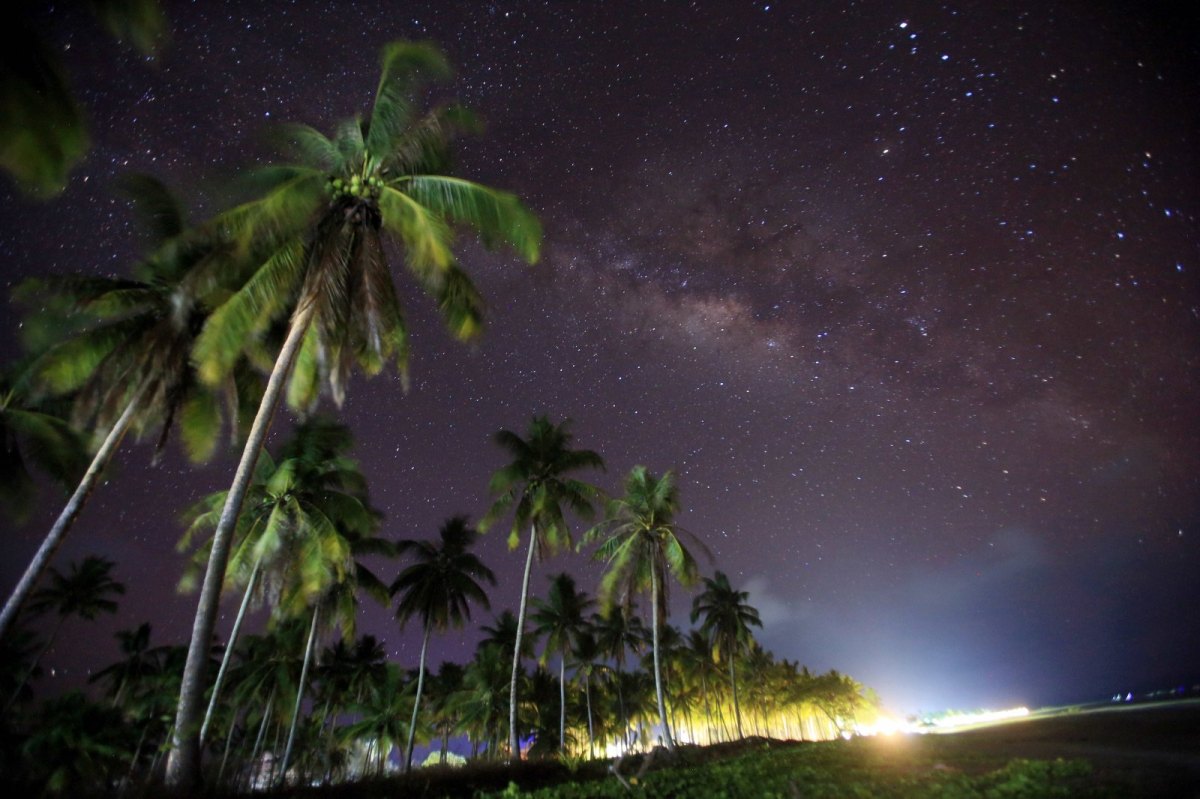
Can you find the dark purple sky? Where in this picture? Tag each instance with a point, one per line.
(907, 296)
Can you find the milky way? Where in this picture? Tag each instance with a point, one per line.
(906, 296)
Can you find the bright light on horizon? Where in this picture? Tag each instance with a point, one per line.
(982, 717)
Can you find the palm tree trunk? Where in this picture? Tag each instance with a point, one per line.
(587, 695)
(737, 711)
(658, 688)
(514, 745)
(412, 725)
(308, 650)
(183, 763)
(562, 702)
(228, 655)
(621, 709)
(228, 742)
(66, 518)
(708, 719)
(256, 751)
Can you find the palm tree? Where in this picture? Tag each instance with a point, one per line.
(438, 588)
(381, 715)
(137, 661)
(728, 617)
(320, 230)
(443, 689)
(314, 486)
(619, 631)
(643, 545)
(130, 365)
(74, 746)
(324, 580)
(559, 619)
(481, 704)
(536, 486)
(85, 591)
(585, 655)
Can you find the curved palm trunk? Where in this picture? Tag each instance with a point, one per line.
(308, 650)
(54, 539)
(658, 688)
(514, 743)
(737, 712)
(228, 655)
(412, 725)
(183, 763)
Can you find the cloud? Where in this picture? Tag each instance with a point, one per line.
(775, 611)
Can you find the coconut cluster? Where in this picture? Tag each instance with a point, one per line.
(356, 186)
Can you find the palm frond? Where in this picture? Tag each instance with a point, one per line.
(312, 148)
(405, 67)
(200, 425)
(425, 236)
(247, 313)
(496, 215)
(460, 304)
(155, 206)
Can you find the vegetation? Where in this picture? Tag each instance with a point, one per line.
(283, 297)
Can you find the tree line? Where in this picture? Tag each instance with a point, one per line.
(279, 299)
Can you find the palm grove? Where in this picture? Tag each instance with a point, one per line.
(280, 299)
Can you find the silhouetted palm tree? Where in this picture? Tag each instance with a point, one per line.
(438, 589)
(559, 619)
(643, 546)
(130, 367)
(618, 632)
(536, 487)
(86, 591)
(727, 619)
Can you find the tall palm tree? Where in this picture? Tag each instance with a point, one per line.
(86, 591)
(129, 367)
(536, 486)
(727, 618)
(320, 231)
(560, 620)
(619, 631)
(643, 546)
(438, 588)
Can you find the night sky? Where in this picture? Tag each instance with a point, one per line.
(906, 294)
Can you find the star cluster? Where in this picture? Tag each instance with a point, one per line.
(907, 296)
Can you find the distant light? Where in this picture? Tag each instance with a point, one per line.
(903, 25)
